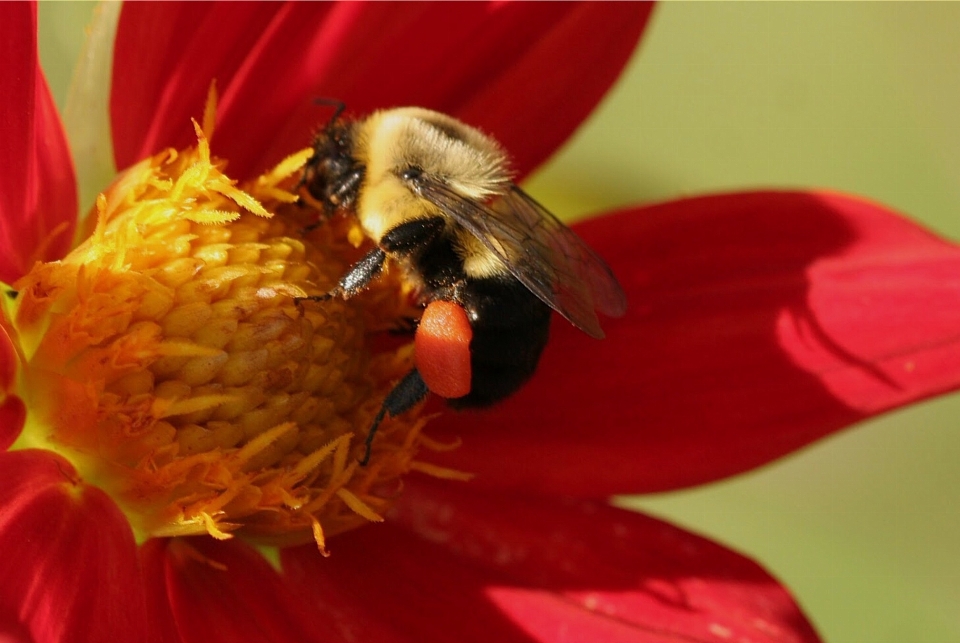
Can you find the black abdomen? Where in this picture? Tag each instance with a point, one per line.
(510, 330)
(510, 324)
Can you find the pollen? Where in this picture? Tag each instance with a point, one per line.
(169, 358)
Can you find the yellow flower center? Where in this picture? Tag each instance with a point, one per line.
(167, 359)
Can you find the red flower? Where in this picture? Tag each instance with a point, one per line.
(758, 323)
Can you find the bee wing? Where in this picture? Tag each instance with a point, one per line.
(540, 251)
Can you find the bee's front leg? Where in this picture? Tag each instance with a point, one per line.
(355, 280)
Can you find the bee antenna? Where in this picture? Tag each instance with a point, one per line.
(339, 106)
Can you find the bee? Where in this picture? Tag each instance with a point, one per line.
(436, 196)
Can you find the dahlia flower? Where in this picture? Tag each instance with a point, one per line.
(181, 439)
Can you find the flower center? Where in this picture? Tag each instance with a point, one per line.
(167, 359)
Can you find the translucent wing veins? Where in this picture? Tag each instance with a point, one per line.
(538, 249)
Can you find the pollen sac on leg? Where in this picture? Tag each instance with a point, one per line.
(442, 349)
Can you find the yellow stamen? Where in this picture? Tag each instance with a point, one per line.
(167, 359)
(358, 505)
(440, 472)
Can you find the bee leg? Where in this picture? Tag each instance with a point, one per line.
(336, 196)
(407, 393)
(342, 193)
(361, 274)
(400, 240)
(408, 237)
(356, 279)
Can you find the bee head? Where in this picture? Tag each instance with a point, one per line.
(332, 176)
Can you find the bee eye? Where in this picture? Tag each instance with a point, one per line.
(412, 174)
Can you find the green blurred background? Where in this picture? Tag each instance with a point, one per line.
(861, 97)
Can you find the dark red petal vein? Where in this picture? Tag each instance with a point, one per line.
(69, 563)
(528, 73)
(758, 323)
(460, 565)
(38, 193)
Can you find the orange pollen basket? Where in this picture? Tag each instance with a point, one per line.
(167, 359)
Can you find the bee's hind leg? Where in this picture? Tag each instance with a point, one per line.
(407, 393)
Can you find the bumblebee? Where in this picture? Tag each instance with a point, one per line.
(436, 196)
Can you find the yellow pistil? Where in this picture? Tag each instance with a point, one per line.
(167, 359)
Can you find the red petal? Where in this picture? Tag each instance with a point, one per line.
(69, 563)
(464, 566)
(165, 57)
(38, 193)
(13, 415)
(225, 591)
(9, 360)
(758, 323)
(536, 104)
(153, 563)
(528, 73)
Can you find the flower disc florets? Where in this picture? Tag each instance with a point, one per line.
(168, 358)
